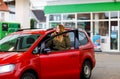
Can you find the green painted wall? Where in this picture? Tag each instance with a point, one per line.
(91, 7)
(12, 27)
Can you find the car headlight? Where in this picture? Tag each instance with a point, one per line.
(7, 68)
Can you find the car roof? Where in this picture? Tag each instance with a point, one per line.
(40, 31)
(33, 31)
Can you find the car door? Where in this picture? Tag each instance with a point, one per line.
(61, 64)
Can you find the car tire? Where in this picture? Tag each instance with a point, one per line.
(86, 70)
(28, 75)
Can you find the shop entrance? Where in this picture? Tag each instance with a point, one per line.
(114, 35)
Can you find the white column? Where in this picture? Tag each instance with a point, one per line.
(22, 15)
(47, 21)
(96, 23)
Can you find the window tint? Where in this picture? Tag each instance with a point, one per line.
(82, 38)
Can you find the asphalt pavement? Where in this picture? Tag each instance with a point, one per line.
(107, 66)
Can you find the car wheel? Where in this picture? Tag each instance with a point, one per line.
(86, 70)
(28, 75)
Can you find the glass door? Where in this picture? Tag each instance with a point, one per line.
(114, 35)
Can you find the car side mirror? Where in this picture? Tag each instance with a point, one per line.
(46, 50)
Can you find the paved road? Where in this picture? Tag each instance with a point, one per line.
(107, 66)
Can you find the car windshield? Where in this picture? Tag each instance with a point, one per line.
(17, 42)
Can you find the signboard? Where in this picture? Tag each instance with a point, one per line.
(96, 41)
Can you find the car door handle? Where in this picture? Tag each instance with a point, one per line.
(73, 55)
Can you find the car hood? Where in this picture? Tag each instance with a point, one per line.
(12, 57)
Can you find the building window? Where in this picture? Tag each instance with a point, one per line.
(2, 17)
(114, 15)
(119, 14)
(84, 25)
(97, 16)
(69, 17)
(99, 21)
(55, 17)
(69, 24)
(83, 16)
(101, 28)
(54, 24)
(114, 34)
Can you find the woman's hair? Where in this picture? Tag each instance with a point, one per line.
(60, 37)
(61, 27)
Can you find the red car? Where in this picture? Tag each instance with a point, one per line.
(23, 55)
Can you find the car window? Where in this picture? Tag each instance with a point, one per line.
(66, 44)
(48, 36)
(27, 41)
(72, 39)
(82, 38)
(17, 42)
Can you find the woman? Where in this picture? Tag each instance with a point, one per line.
(60, 42)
